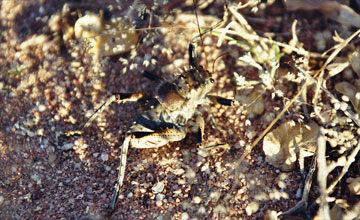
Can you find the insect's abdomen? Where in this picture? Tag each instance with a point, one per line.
(158, 138)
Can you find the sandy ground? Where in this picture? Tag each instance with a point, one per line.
(52, 87)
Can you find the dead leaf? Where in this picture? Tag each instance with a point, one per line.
(105, 38)
(336, 68)
(355, 61)
(331, 9)
(254, 102)
(337, 211)
(282, 144)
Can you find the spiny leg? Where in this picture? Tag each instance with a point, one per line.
(200, 133)
(116, 97)
(121, 174)
(142, 140)
(220, 100)
(157, 138)
(152, 76)
(200, 136)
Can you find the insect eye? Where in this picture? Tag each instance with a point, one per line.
(212, 80)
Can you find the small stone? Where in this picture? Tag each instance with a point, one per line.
(42, 108)
(36, 178)
(107, 168)
(160, 196)
(67, 146)
(190, 173)
(158, 187)
(51, 158)
(201, 210)
(252, 208)
(220, 209)
(104, 157)
(184, 216)
(250, 133)
(196, 199)
(179, 171)
(158, 203)
(281, 184)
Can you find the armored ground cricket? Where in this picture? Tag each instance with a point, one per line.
(164, 117)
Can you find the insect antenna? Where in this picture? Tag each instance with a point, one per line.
(200, 34)
(223, 54)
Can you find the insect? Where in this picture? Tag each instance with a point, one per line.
(165, 115)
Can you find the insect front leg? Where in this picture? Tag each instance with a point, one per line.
(152, 77)
(220, 100)
(201, 124)
(116, 97)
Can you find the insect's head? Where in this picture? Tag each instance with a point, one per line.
(196, 77)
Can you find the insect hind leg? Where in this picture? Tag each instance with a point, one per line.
(121, 175)
(92, 117)
(155, 139)
(116, 97)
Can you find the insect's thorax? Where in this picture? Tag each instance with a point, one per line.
(180, 101)
(175, 102)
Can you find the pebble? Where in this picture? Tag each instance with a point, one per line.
(196, 199)
(42, 108)
(36, 178)
(158, 187)
(179, 171)
(160, 196)
(190, 173)
(67, 146)
(184, 216)
(107, 168)
(252, 208)
(104, 157)
(158, 203)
